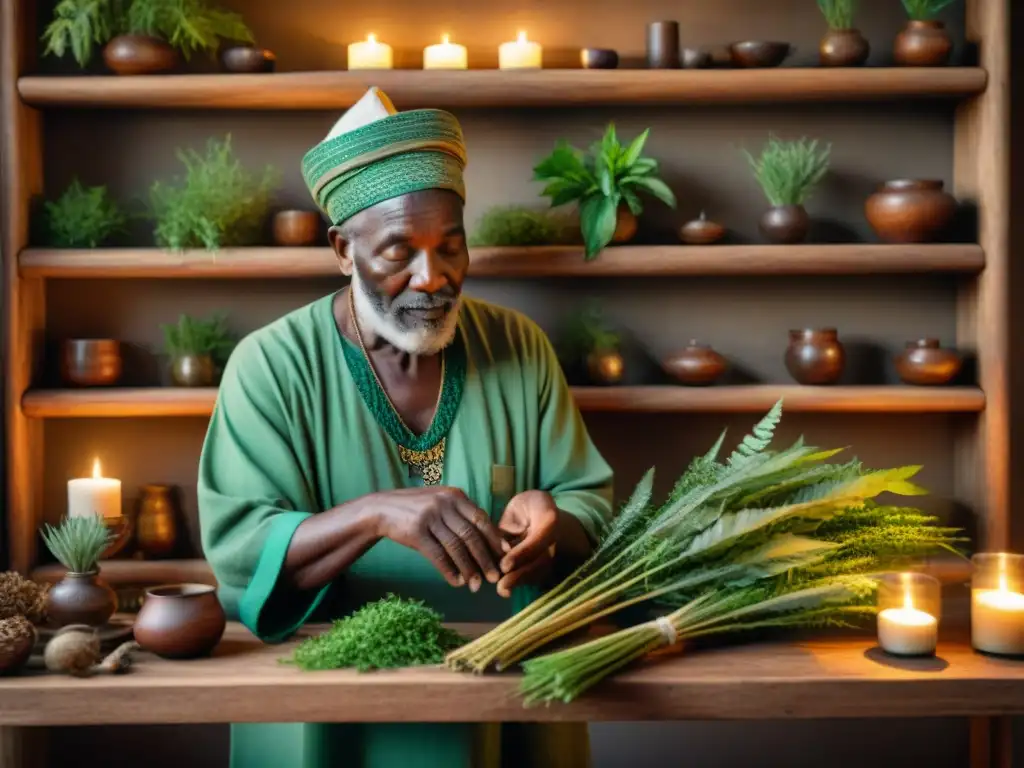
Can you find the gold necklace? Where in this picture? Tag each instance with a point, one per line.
(429, 463)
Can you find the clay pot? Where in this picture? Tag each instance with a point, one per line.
(625, 225)
(786, 224)
(157, 524)
(815, 356)
(695, 58)
(90, 362)
(193, 371)
(139, 55)
(183, 621)
(923, 44)
(81, 598)
(925, 363)
(700, 231)
(758, 53)
(296, 228)
(843, 48)
(247, 58)
(696, 364)
(910, 210)
(605, 366)
(599, 58)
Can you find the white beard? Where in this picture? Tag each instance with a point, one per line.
(420, 341)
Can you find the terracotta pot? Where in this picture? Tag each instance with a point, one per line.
(157, 524)
(183, 621)
(695, 58)
(923, 44)
(815, 356)
(696, 364)
(90, 362)
(296, 228)
(605, 366)
(625, 225)
(193, 371)
(910, 210)
(139, 55)
(925, 363)
(81, 598)
(247, 58)
(843, 48)
(786, 224)
(700, 231)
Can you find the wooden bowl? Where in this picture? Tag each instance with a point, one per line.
(247, 58)
(759, 53)
(695, 365)
(139, 55)
(599, 58)
(90, 362)
(296, 228)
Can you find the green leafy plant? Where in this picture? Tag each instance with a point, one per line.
(386, 634)
(515, 225)
(838, 13)
(83, 217)
(79, 26)
(194, 336)
(218, 203)
(788, 171)
(924, 10)
(78, 542)
(606, 177)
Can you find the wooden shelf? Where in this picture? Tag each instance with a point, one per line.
(139, 572)
(555, 261)
(174, 401)
(497, 88)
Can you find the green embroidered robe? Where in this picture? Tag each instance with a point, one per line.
(292, 435)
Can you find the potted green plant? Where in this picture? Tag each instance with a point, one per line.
(605, 183)
(198, 349)
(82, 217)
(589, 342)
(519, 226)
(80, 597)
(140, 36)
(788, 172)
(843, 45)
(924, 41)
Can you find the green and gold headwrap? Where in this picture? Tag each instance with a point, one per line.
(393, 156)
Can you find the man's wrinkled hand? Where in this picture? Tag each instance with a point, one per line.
(530, 525)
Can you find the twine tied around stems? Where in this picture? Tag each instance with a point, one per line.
(667, 629)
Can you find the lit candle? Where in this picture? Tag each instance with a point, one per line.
(445, 55)
(997, 617)
(96, 495)
(369, 54)
(907, 631)
(519, 54)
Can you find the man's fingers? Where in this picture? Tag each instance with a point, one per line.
(532, 572)
(481, 521)
(530, 548)
(458, 552)
(474, 541)
(435, 553)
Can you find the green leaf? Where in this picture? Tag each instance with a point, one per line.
(632, 154)
(656, 187)
(604, 176)
(645, 166)
(597, 221)
(564, 162)
(632, 200)
(562, 191)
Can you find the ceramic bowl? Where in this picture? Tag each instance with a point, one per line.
(91, 362)
(599, 58)
(180, 621)
(245, 58)
(759, 53)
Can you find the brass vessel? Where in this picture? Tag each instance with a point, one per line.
(156, 528)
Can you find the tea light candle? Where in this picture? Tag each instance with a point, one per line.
(520, 54)
(904, 629)
(370, 54)
(96, 495)
(997, 615)
(445, 55)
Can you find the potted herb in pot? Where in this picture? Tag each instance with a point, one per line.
(198, 349)
(81, 597)
(924, 42)
(843, 45)
(590, 344)
(82, 217)
(605, 183)
(788, 171)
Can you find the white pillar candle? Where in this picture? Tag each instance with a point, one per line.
(907, 632)
(445, 55)
(369, 54)
(519, 54)
(997, 620)
(96, 495)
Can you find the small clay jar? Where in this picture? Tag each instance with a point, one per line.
(910, 210)
(625, 225)
(815, 356)
(786, 224)
(81, 598)
(605, 366)
(296, 228)
(247, 59)
(923, 44)
(925, 363)
(696, 364)
(182, 621)
(700, 231)
(843, 48)
(90, 362)
(139, 55)
(193, 371)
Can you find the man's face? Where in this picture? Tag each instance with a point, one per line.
(408, 259)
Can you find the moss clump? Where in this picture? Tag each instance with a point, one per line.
(514, 225)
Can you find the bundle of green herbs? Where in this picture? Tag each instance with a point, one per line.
(765, 538)
(83, 217)
(386, 634)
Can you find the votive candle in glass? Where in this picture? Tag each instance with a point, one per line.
(445, 55)
(370, 54)
(909, 605)
(96, 495)
(997, 603)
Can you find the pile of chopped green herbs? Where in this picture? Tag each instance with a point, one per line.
(387, 634)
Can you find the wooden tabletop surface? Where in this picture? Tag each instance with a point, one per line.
(244, 681)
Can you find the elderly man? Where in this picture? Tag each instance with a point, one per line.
(396, 436)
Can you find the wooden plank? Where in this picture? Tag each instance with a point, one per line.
(245, 682)
(119, 573)
(497, 88)
(553, 261)
(172, 401)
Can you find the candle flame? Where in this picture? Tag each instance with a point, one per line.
(522, 37)
(908, 599)
(1003, 582)
(371, 39)
(444, 39)
(96, 470)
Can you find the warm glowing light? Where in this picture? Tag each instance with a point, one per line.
(521, 38)
(371, 39)
(520, 54)
(444, 39)
(96, 470)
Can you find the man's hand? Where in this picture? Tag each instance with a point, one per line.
(531, 522)
(445, 527)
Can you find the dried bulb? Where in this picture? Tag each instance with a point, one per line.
(22, 597)
(74, 650)
(17, 639)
